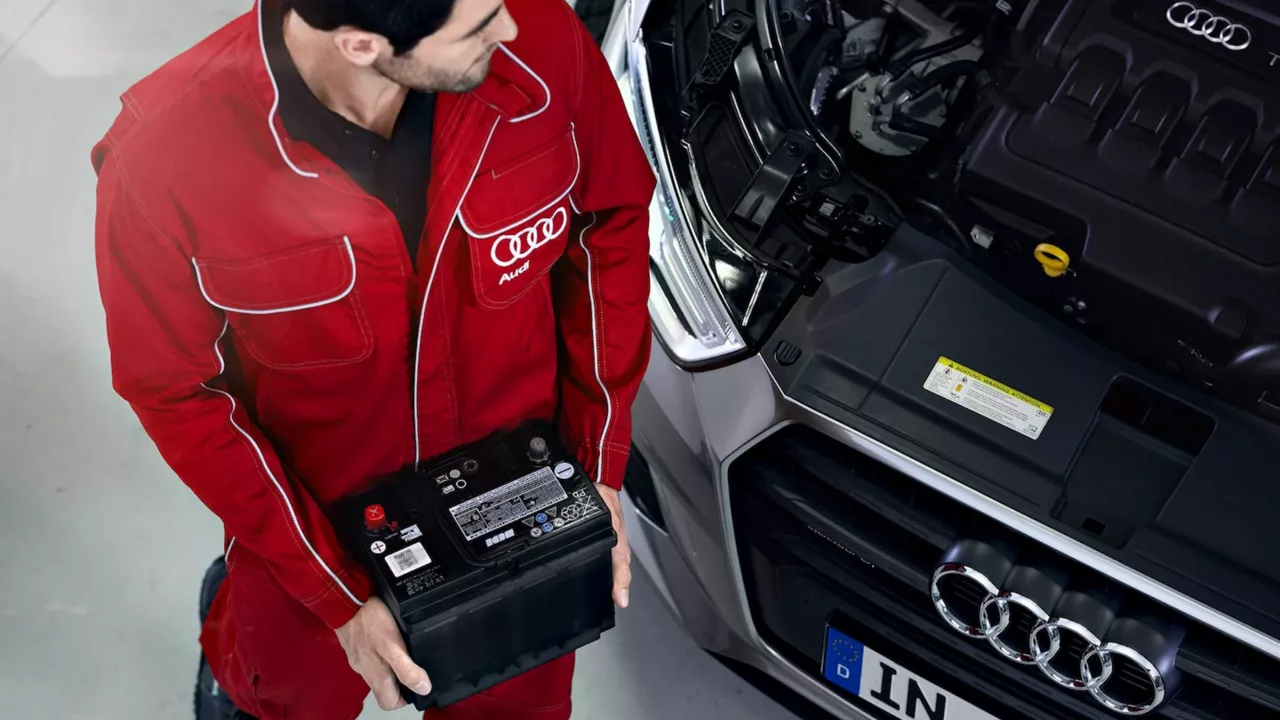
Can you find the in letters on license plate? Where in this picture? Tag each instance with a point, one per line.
(856, 668)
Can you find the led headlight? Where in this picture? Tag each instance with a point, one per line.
(687, 311)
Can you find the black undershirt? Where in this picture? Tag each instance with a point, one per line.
(396, 171)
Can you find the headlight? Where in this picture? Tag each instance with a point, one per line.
(687, 311)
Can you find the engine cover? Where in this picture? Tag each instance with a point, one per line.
(1144, 143)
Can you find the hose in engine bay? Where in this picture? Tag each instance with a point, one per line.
(951, 44)
(941, 75)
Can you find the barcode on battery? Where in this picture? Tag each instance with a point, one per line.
(408, 559)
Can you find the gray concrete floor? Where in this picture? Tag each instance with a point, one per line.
(101, 547)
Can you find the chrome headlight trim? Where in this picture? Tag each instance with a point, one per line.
(688, 313)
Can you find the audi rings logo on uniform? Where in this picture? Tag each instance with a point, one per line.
(510, 249)
(1044, 640)
(1209, 25)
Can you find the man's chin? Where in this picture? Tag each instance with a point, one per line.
(474, 78)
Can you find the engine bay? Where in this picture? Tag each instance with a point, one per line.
(1071, 197)
(1114, 162)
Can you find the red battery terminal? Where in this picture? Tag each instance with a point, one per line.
(375, 518)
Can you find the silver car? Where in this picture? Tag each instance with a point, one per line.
(966, 392)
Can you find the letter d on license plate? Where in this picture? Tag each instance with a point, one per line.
(865, 673)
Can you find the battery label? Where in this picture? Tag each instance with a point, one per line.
(502, 506)
(993, 400)
(408, 559)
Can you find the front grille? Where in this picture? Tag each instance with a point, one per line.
(1021, 623)
(968, 603)
(826, 534)
(1067, 661)
(1131, 682)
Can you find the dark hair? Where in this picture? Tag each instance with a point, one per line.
(403, 22)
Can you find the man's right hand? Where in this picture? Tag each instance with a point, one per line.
(375, 650)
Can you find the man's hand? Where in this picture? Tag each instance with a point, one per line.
(622, 551)
(375, 650)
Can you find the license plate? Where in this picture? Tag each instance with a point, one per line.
(865, 673)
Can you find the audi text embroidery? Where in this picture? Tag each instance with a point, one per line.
(507, 276)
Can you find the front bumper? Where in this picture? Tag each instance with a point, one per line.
(691, 555)
(692, 427)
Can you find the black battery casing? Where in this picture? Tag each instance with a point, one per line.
(492, 561)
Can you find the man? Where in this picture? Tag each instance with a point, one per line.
(337, 238)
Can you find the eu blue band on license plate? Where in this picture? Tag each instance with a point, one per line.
(892, 688)
(842, 661)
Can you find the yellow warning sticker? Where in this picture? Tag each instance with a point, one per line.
(989, 398)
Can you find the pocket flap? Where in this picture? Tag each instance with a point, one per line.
(517, 192)
(297, 279)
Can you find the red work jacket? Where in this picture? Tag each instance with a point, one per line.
(269, 330)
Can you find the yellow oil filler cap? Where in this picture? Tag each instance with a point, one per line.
(1053, 259)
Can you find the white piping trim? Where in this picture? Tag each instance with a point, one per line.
(529, 70)
(576, 174)
(227, 555)
(222, 366)
(422, 316)
(350, 254)
(595, 351)
(275, 103)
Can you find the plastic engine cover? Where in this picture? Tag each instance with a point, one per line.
(1148, 152)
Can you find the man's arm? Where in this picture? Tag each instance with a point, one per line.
(602, 284)
(167, 363)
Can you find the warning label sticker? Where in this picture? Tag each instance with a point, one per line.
(502, 506)
(989, 398)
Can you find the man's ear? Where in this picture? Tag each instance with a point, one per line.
(358, 46)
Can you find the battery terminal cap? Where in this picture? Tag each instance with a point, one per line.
(375, 518)
(538, 451)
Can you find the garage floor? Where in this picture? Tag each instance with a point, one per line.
(101, 547)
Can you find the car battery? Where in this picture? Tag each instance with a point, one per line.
(494, 558)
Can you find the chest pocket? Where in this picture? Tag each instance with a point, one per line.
(295, 309)
(517, 217)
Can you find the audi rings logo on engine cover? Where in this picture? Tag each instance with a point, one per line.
(1209, 25)
(1044, 641)
(510, 249)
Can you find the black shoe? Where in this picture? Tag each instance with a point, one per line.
(210, 702)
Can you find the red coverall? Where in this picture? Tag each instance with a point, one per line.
(269, 331)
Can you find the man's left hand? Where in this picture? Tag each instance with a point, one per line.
(622, 551)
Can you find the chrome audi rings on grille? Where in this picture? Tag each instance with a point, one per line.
(1048, 637)
(1209, 25)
